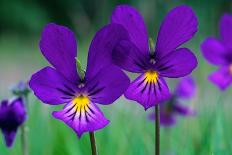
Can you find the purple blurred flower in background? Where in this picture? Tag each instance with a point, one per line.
(166, 60)
(12, 115)
(185, 89)
(103, 82)
(219, 52)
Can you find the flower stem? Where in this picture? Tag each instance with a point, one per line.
(24, 140)
(93, 143)
(24, 130)
(157, 130)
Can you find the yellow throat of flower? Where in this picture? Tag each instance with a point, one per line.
(81, 103)
(230, 69)
(151, 77)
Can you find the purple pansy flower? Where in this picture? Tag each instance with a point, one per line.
(12, 115)
(103, 82)
(219, 52)
(167, 60)
(185, 89)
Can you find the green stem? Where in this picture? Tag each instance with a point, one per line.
(157, 129)
(93, 143)
(24, 129)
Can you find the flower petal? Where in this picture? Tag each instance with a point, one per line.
(214, 51)
(51, 87)
(86, 119)
(18, 108)
(131, 19)
(177, 64)
(226, 30)
(128, 57)
(9, 136)
(147, 94)
(184, 110)
(179, 26)
(108, 85)
(221, 78)
(101, 48)
(167, 120)
(186, 88)
(58, 45)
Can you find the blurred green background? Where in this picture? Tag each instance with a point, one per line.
(129, 133)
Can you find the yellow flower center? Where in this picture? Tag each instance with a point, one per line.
(81, 103)
(151, 77)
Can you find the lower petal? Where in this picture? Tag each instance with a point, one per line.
(167, 119)
(184, 110)
(82, 118)
(147, 93)
(221, 78)
(9, 136)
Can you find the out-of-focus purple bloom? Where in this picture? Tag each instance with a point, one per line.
(185, 89)
(103, 82)
(219, 52)
(167, 60)
(12, 115)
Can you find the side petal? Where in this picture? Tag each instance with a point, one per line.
(177, 64)
(225, 30)
(214, 51)
(133, 22)
(59, 46)
(101, 48)
(108, 85)
(167, 120)
(179, 26)
(221, 78)
(82, 119)
(184, 110)
(51, 87)
(128, 57)
(9, 136)
(19, 110)
(147, 94)
(186, 88)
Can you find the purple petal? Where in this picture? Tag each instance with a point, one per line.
(86, 119)
(167, 120)
(186, 88)
(179, 26)
(128, 57)
(108, 85)
(58, 45)
(226, 30)
(221, 78)
(51, 87)
(184, 110)
(131, 19)
(177, 64)
(19, 110)
(147, 94)
(214, 51)
(9, 137)
(101, 48)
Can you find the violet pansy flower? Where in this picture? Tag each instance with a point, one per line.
(103, 82)
(219, 52)
(186, 89)
(166, 60)
(12, 115)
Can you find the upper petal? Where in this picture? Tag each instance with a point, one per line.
(87, 118)
(148, 94)
(221, 78)
(179, 63)
(101, 48)
(59, 46)
(226, 30)
(184, 110)
(51, 87)
(186, 88)
(19, 110)
(131, 19)
(179, 26)
(214, 51)
(108, 85)
(127, 56)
